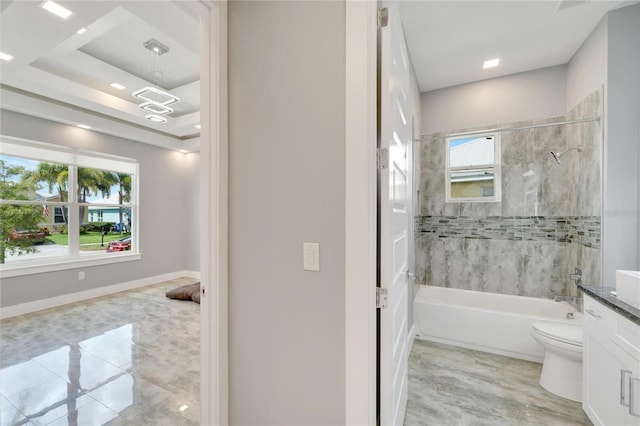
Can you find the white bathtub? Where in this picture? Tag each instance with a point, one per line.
(489, 322)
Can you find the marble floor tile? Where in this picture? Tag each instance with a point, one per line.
(23, 376)
(79, 367)
(449, 385)
(127, 358)
(92, 414)
(9, 413)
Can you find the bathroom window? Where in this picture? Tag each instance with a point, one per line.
(473, 168)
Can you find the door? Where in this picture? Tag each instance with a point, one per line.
(393, 219)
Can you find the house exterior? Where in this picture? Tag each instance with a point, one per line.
(105, 210)
(54, 218)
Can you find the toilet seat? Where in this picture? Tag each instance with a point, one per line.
(570, 334)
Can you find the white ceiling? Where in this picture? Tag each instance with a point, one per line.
(52, 62)
(449, 40)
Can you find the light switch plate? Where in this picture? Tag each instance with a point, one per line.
(311, 256)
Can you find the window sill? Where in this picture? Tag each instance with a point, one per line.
(63, 263)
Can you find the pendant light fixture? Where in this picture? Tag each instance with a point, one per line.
(155, 100)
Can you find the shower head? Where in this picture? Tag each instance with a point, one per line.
(556, 155)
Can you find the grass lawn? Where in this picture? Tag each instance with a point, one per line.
(88, 241)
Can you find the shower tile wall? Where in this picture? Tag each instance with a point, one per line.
(547, 223)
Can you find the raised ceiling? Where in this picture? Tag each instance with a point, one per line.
(449, 40)
(65, 76)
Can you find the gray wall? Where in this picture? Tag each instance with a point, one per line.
(192, 211)
(587, 69)
(609, 58)
(165, 197)
(622, 175)
(547, 223)
(517, 97)
(286, 187)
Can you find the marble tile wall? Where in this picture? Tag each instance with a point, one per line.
(547, 223)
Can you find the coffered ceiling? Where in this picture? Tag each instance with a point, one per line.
(62, 74)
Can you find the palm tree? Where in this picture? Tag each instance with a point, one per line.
(93, 181)
(124, 192)
(53, 175)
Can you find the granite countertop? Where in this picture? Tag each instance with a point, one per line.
(604, 296)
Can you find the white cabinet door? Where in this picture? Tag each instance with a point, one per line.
(607, 374)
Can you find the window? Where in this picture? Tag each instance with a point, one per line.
(60, 215)
(61, 208)
(473, 168)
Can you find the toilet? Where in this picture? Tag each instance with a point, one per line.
(562, 366)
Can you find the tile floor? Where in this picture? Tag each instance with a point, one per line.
(131, 358)
(456, 386)
(134, 358)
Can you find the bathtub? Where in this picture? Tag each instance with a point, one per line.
(488, 322)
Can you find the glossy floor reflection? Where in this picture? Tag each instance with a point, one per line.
(128, 358)
(456, 386)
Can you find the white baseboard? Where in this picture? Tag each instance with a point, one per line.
(190, 274)
(38, 305)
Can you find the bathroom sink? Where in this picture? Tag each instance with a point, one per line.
(628, 287)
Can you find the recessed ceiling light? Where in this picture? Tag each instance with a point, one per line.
(56, 9)
(5, 56)
(491, 63)
(117, 86)
(83, 30)
(84, 126)
(156, 118)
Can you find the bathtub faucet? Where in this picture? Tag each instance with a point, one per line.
(576, 276)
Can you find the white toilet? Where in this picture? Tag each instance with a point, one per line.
(562, 367)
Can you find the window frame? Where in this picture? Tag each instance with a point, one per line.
(73, 158)
(495, 166)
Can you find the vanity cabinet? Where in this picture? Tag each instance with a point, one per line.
(611, 366)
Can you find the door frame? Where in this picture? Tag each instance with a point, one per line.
(360, 214)
(214, 149)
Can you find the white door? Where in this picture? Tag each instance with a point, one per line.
(394, 191)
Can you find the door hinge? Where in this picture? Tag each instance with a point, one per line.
(383, 17)
(381, 297)
(382, 158)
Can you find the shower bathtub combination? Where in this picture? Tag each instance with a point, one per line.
(488, 322)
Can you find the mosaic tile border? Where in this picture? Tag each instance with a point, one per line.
(582, 230)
